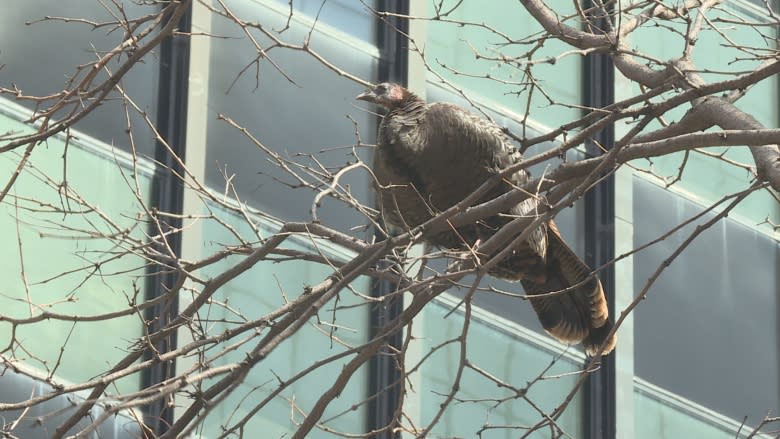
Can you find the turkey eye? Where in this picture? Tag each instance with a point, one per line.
(380, 90)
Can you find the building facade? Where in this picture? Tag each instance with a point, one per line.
(695, 358)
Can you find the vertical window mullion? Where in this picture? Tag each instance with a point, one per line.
(167, 193)
(598, 84)
(385, 374)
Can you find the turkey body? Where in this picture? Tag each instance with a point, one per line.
(430, 157)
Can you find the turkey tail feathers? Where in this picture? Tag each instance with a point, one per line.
(579, 314)
(597, 338)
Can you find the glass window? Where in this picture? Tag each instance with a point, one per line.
(496, 346)
(352, 17)
(708, 330)
(296, 107)
(706, 338)
(485, 58)
(706, 176)
(39, 58)
(94, 282)
(662, 414)
(261, 290)
(306, 113)
(17, 387)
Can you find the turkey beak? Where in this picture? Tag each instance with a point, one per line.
(367, 95)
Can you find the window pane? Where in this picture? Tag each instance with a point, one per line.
(263, 289)
(484, 58)
(304, 115)
(309, 117)
(17, 387)
(39, 58)
(664, 415)
(491, 346)
(714, 307)
(97, 280)
(348, 16)
(708, 177)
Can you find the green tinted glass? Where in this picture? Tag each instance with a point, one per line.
(67, 267)
(265, 288)
(710, 174)
(487, 57)
(494, 348)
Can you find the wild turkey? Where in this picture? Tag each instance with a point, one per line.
(430, 157)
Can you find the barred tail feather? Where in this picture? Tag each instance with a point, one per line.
(580, 313)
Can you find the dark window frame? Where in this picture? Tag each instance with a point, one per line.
(167, 195)
(598, 87)
(385, 375)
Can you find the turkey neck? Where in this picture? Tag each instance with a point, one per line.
(402, 128)
(411, 106)
(402, 137)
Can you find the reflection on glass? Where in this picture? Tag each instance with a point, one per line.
(487, 61)
(494, 347)
(713, 308)
(265, 288)
(39, 59)
(296, 108)
(352, 17)
(54, 243)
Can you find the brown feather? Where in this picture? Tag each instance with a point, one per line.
(579, 314)
(430, 157)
